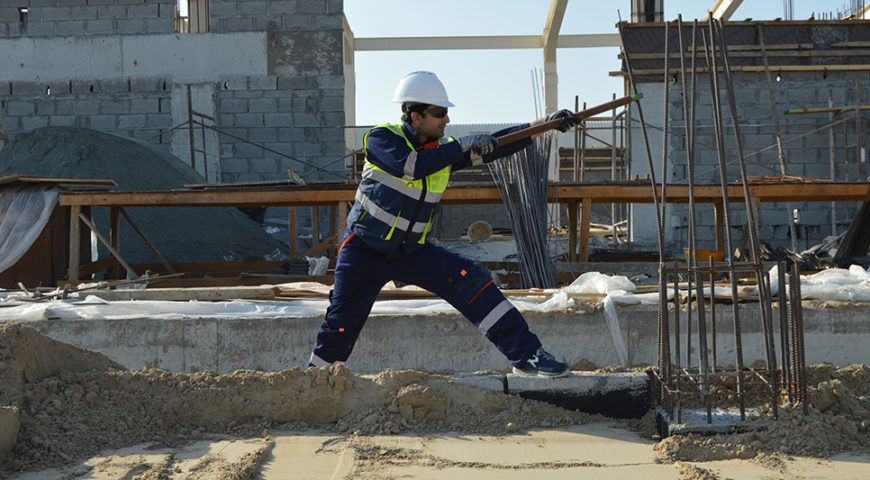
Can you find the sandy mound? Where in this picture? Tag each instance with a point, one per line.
(76, 414)
(180, 234)
(78, 404)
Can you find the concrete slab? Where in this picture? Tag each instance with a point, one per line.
(617, 395)
(493, 383)
(695, 421)
(265, 292)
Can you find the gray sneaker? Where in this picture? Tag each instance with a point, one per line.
(542, 364)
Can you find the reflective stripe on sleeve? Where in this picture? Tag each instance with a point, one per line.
(385, 216)
(495, 315)
(394, 183)
(410, 165)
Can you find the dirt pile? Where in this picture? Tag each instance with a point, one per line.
(75, 414)
(838, 421)
(180, 234)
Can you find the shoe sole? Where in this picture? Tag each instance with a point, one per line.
(541, 374)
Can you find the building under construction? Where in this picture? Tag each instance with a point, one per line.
(695, 251)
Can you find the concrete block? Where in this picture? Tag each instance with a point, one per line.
(299, 22)
(142, 10)
(20, 108)
(62, 120)
(264, 164)
(249, 119)
(295, 82)
(10, 423)
(233, 165)
(233, 105)
(492, 383)
(101, 122)
(239, 24)
(144, 105)
(311, 7)
(110, 85)
(82, 12)
(618, 395)
(131, 121)
(248, 94)
(233, 82)
(134, 26)
(100, 27)
(254, 8)
(263, 105)
(278, 119)
(263, 135)
(226, 119)
(55, 13)
(31, 123)
(309, 149)
(115, 105)
(291, 135)
(160, 120)
(159, 25)
(46, 107)
(245, 150)
(70, 28)
(113, 11)
(325, 22)
(9, 14)
(221, 9)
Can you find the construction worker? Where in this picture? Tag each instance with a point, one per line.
(406, 170)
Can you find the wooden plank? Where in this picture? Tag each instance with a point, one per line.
(852, 44)
(794, 111)
(216, 268)
(227, 281)
(622, 192)
(83, 182)
(572, 231)
(585, 220)
(210, 293)
(113, 251)
(114, 240)
(74, 242)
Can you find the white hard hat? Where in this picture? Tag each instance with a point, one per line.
(421, 87)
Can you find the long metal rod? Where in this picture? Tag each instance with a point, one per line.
(664, 363)
(752, 221)
(723, 180)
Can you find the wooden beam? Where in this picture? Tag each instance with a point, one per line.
(113, 251)
(74, 242)
(114, 239)
(585, 221)
(572, 231)
(722, 9)
(489, 42)
(794, 111)
(291, 231)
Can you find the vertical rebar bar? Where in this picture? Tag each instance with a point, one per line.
(710, 54)
(831, 159)
(784, 329)
(752, 221)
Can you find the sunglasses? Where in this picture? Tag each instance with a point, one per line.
(437, 112)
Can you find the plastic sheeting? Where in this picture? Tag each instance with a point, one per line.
(24, 212)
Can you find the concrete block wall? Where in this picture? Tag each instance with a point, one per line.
(57, 18)
(275, 15)
(806, 155)
(137, 109)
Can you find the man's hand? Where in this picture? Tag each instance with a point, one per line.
(569, 121)
(480, 144)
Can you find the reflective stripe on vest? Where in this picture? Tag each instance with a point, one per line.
(400, 185)
(386, 217)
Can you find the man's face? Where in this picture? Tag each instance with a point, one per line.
(430, 123)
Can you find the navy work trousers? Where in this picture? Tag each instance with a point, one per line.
(361, 272)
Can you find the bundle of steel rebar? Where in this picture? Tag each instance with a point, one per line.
(522, 181)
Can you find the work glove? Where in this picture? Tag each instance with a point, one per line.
(480, 145)
(569, 121)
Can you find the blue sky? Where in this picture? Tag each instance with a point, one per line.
(495, 86)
